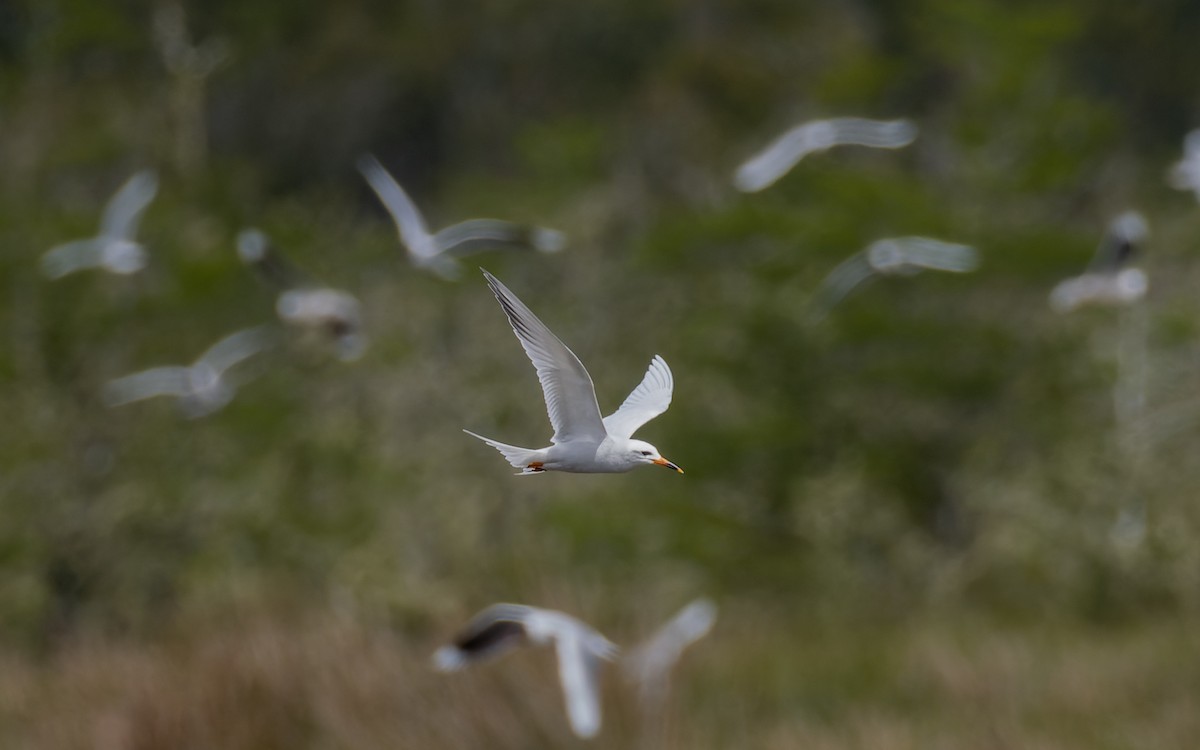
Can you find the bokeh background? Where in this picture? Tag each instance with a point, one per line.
(922, 519)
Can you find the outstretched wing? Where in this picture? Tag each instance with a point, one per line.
(648, 400)
(579, 672)
(123, 212)
(648, 664)
(409, 222)
(235, 347)
(764, 168)
(566, 385)
(477, 235)
(158, 381)
(69, 257)
(929, 253)
(841, 281)
(859, 131)
(495, 630)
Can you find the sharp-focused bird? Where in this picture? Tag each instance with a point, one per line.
(649, 664)
(202, 387)
(502, 627)
(583, 441)
(764, 168)
(1185, 173)
(302, 303)
(1109, 280)
(439, 252)
(897, 256)
(114, 249)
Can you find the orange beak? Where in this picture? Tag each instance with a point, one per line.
(668, 464)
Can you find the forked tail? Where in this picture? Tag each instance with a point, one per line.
(529, 461)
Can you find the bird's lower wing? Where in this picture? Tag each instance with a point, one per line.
(570, 395)
(648, 400)
(69, 257)
(579, 672)
(158, 381)
(840, 282)
(477, 235)
(409, 222)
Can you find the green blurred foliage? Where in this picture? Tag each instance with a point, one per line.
(938, 443)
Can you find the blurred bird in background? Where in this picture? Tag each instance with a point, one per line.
(303, 304)
(764, 168)
(439, 252)
(579, 647)
(114, 249)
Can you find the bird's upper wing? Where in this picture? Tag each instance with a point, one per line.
(493, 631)
(122, 213)
(476, 235)
(579, 672)
(409, 222)
(858, 131)
(157, 381)
(660, 651)
(568, 389)
(69, 257)
(235, 347)
(648, 400)
(774, 161)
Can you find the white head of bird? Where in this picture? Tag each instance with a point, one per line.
(641, 452)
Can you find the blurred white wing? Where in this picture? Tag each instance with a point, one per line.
(935, 254)
(579, 672)
(567, 387)
(234, 348)
(649, 663)
(69, 257)
(158, 381)
(767, 166)
(409, 222)
(858, 131)
(476, 235)
(648, 400)
(841, 281)
(123, 212)
(764, 168)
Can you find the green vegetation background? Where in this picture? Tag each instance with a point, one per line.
(907, 513)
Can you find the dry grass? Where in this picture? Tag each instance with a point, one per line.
(324, 680)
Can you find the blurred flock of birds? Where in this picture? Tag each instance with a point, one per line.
(583, 440)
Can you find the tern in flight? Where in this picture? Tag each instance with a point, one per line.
(583, 441)
(202, 387)
(114, 248)
(502, 627)
(303, 304)
(897, 256)
(439, 252)
(764, 168)
(1109, 280)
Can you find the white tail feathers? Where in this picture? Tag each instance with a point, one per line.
(520, 458)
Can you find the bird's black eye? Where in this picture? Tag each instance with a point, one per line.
(645, 453)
